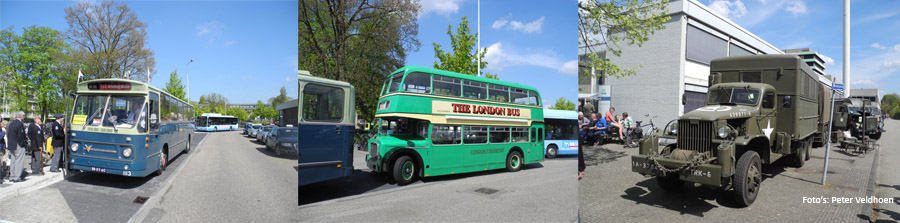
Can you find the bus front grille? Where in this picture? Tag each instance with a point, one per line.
(695, 135)
(373, 150)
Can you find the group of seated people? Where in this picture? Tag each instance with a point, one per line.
(611, 125)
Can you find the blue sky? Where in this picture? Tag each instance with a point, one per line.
(245, 51)
(818, 25)
(529, 42)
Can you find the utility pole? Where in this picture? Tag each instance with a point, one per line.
(846, 49)
(188, 78)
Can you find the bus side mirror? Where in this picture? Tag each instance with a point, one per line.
(153, 119)
(787, 101)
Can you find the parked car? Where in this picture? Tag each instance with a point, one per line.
(247, 128)
(253, 130)
(283, 139)
(261, 134)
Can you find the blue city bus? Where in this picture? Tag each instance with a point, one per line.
(214, 122)
(127, 128)
(327, 115)
(562, 133)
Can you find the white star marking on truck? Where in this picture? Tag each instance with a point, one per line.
(768, 129)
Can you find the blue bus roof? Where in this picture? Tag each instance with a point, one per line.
(560, 114)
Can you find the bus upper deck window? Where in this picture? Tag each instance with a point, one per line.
(498, 93)
(417, 83)
(474, 89)
(395, 82)
(447, 86)
(533, 98)
(519, 96)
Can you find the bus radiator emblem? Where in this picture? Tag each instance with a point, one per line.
(87, 148)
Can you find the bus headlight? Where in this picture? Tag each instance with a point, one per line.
(126, 153)
(723, 132)
(74, 147)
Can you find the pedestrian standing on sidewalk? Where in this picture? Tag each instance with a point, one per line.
(36, 140)
(3, 160)
(15, 143)
(59, 139)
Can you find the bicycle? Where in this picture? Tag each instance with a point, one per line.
(635, 135)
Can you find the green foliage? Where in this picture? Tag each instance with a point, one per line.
(357, 41)
(563, 104)
(463, 58)
(214, 103)
(281, 98)
(36, 69)
(604, 25)
(264, 111)
(111, 40)
(890, 104)
(174, 86)
(240, 113)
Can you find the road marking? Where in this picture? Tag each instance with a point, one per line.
(154, 200)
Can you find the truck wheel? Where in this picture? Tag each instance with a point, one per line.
(670, 183)
(875, 136)
(798, 159)
(747, 178)
(808, 147)
(552, 151)
(514, 161)
(404, 170)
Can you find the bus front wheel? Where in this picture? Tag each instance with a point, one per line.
(514, 161)
(404, 170)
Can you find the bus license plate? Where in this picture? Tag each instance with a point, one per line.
(98, 169)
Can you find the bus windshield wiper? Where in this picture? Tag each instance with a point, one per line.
(89, 118)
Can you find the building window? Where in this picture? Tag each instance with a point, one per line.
(738, 51)
(702, 46)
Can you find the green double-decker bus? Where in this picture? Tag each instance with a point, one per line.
(432, 122)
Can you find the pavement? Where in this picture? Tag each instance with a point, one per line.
(610, 192)
(231, 179)
(542, 192)
(887, 182)
(84, 196)
(32, 182)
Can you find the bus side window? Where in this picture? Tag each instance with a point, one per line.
(154, 113)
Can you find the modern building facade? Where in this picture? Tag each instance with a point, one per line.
(675, 62)
(287, 113)
(870, 94)
(812, 58)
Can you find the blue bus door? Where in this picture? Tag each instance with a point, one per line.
(326, 147)
(154, 132)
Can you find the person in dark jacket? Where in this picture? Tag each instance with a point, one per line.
(36, 140)
(59, 139)
(15, 143)
(2, 150)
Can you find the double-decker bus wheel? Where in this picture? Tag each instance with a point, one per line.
(514, 161)
(404, 170)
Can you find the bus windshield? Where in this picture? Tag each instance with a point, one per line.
(89, 109)
(733, 96)
(123, 111)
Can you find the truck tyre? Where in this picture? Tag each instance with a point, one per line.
(552, 151)
(514, 161)
(404, 170)
(747, 178)
(670, 183)
(807, 152)
(798, 159)
(876, 135)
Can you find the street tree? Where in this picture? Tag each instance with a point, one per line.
(563, 104)
(112, 38)
(604, 26)
(264, 111)
(215, 102)
(281, 98)
(34, 65)
(240, 113)
(174, 86)
(890, 103)
(463, 57)
(357, 41)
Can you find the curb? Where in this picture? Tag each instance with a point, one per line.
(870, 190)
(18, 189)
(154, 200)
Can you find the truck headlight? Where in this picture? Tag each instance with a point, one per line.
(723, 132)
(126, 153)
(74, 147)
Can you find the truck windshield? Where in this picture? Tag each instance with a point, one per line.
(733, 96)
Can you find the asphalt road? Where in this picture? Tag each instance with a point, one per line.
(611, 192)
(887, 184)
(89, 197)
(543, 192)
(231, 179)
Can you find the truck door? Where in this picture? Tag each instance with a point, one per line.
(322, 147)
(769, 111)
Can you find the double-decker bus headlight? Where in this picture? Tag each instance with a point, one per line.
(74, 147)
(126, 153)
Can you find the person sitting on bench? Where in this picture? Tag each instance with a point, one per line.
(597, 127)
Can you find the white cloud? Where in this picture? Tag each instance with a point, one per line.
(875, 17)
(897, 47)
(828, 60)
(440, 7)
(732, 10)
(569, 67)
(209, 28)
(797, 7)
(878, 46)
(499, 57)
(531, 27)
(287, 80)
(891, 65)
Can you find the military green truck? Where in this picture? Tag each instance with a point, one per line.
(864, 119)
(759, 108)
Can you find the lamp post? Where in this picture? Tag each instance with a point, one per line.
(188, 78)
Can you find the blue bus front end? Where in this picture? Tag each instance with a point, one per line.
(125, 155)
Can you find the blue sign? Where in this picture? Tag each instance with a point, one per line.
(837, 87)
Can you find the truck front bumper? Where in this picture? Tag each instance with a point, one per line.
(707, 174)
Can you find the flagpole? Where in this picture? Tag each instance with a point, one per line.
(478, 33)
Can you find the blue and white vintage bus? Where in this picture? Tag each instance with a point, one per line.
(128, 128)
(327, 115)
(214, 122)
(562, 133)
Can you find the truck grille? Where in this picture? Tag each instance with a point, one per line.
(695, 135)
(373, 150)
